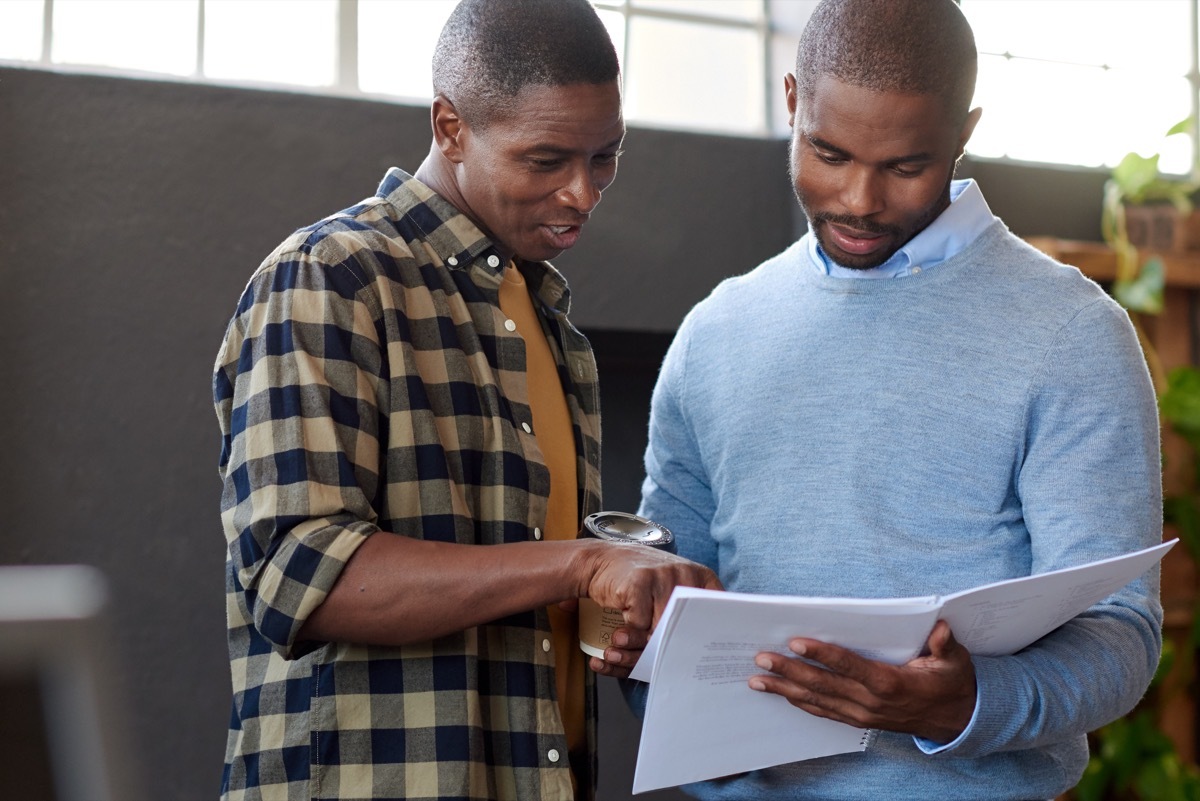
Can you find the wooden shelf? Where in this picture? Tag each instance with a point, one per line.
(1097, 260)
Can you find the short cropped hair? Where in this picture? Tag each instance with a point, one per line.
(909, 46)
(490, 50)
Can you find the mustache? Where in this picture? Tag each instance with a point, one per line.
(857, 223)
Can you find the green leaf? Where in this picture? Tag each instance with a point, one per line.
(1183, 126)
(1120, 750)
(1094, 782)
(1166, 661)
(1135, 174)
(1183, 512)
(1145, 293)
(1180, 403)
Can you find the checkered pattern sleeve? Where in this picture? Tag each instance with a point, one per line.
(297, 386)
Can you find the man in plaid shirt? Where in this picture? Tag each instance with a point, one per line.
(410, 440)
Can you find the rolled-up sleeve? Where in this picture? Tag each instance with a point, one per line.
(297, 386)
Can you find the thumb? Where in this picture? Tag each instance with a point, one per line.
(941, 640)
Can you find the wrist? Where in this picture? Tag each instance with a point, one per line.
(583, 565)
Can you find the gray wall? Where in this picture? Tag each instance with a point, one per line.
(131, 215)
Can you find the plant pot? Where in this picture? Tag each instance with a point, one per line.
(1152, 226)
(1187, 231)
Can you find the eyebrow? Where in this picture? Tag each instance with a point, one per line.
(564, 151)
(913, 158)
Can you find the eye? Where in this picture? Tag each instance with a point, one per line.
(908, 170)
(545, 163)
(830, 158)
(606, 159)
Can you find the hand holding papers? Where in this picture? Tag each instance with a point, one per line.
(703, 721)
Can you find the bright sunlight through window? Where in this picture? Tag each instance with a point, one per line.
(1060, 81)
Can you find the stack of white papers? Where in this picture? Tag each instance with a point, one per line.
(703, 721)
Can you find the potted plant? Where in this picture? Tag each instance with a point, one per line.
(1148, 209)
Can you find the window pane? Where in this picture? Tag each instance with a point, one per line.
(730, 9)
(1149, 34)
(674, 80)
(790, 17)
(396, 43)
(1038, 111)
(265, 40)
(783, 62)
(614, 22)
(158, 37)
(21, 29)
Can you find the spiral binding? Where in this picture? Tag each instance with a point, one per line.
(868, 738)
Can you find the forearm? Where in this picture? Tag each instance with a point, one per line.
(1076, 679)
(396, 590)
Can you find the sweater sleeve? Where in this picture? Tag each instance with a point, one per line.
(1089, 483)
(676, 491)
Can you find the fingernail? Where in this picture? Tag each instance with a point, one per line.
(757, 684)
(620, 639)
(763, 662)
(797, 648)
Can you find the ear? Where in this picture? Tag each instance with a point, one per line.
(448, 128)
(968, 129)
(789, 83)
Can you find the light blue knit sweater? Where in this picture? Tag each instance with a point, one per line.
(988, 418)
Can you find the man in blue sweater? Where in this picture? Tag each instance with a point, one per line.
(911, 401)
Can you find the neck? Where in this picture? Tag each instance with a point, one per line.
(437, 173)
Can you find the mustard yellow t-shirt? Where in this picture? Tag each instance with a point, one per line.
(552, 428)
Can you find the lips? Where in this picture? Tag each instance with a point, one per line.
(855, 242)
(563, 237)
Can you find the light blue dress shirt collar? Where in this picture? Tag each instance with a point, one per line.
(959, 225)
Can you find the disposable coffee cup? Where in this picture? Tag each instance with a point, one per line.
(597, 623)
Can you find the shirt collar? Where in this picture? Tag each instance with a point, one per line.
(967, 216)
(459, 244)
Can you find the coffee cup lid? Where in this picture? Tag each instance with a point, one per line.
(623, 527)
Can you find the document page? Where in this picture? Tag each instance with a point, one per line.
(1002, 618)
(702, 719)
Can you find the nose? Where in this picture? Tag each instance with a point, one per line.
(582, 190)
(862, 193)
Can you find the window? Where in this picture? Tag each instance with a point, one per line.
(673, 77)
(269, 41)
(1060, 81)
(1084, 83)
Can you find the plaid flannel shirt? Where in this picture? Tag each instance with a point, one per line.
(367, 384)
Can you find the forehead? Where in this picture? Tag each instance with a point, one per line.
(574, 116)
(865, 121)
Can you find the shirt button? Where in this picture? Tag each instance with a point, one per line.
(546, 646)
(552, 754)
(916, 270)
(537, 533)
(493, 261)
(510, 325)
(525, 426)
(452, 261)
